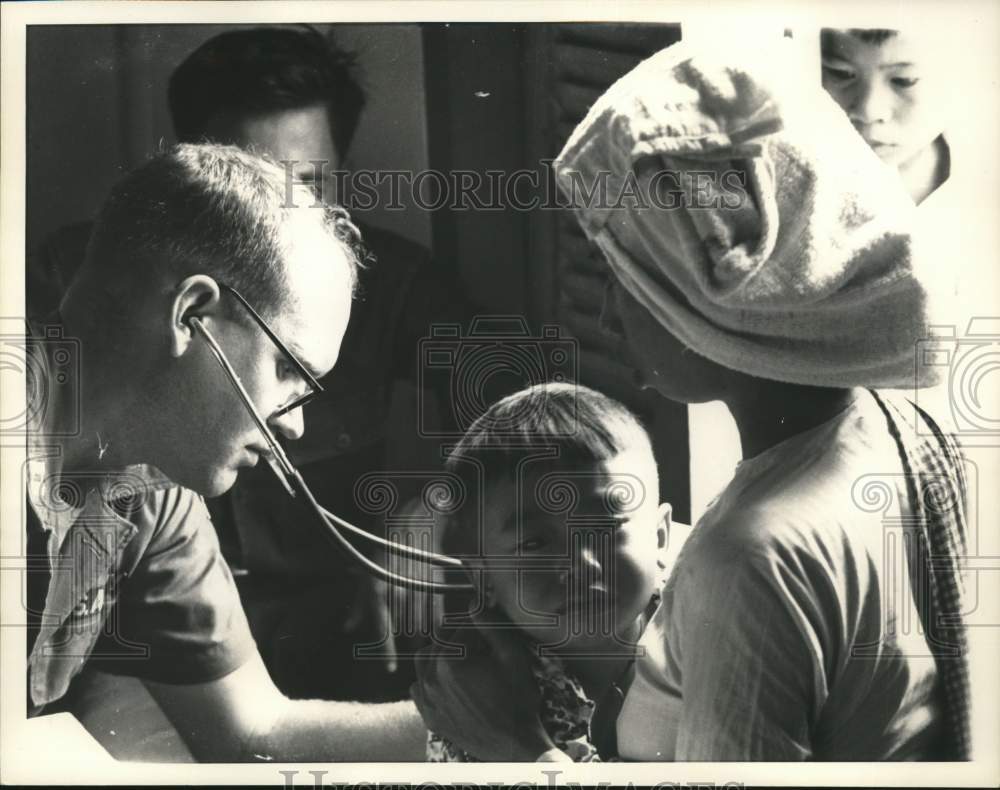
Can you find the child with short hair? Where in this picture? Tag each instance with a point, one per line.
(894, 94)
(562, 513)
(918, 104)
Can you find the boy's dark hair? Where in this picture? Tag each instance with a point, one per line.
(876, 36)
(264, 70)
(578, 425)
(207, 209)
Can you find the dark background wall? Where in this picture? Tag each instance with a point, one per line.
(446, 97)
(97, 106)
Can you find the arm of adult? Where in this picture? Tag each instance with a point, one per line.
(179, 614)
(243, 717)
(484, 699)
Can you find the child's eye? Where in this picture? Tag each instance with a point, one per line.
(837, 73)
(905, 82)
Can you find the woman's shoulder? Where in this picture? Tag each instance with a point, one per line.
(800, 566)
(780, 532)
(820, 500)
(804, 510)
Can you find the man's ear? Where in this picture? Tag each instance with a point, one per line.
(195, 296)
(663, 515)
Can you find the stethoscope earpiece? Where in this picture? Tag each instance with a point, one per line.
(292, 482)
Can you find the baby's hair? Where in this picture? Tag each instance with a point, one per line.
(875, 36)
(579, 425)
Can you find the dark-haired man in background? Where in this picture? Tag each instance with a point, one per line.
(286, 92)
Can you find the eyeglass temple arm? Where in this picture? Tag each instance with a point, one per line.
(309, 377)
(286, 467)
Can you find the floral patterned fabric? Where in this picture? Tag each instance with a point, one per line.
(566, 712)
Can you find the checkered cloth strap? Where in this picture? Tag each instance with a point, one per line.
(935, 478)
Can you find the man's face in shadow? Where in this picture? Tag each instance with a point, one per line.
(301, 136)
(212, 435)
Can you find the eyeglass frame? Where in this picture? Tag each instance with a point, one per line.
(315, 388)
(292, 481)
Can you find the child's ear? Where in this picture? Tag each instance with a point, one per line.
(663, 514)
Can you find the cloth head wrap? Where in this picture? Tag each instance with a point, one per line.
(738, 205)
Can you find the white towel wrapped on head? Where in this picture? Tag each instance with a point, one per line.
(746, 214)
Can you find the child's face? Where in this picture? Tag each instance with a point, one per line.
(593, 554)
(890, 90)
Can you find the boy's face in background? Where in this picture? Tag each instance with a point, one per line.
(891, 90)
(593, 536)
(301, 136)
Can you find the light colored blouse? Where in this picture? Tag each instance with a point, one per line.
(787, 630)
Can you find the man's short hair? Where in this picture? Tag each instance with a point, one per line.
(264, 70)
(209, 209)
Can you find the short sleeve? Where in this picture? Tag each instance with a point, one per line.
(178, 601)
(750, 661)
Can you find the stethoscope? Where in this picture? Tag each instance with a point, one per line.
(292, 481)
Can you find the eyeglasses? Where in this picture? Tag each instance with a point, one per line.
(292, 480)
(315, 388)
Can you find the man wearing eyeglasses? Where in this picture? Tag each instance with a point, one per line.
(206, 309)
(287, 91)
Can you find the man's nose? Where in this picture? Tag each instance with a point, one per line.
(291, 424)
(871, 103)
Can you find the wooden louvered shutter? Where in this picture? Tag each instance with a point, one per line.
(570, 66)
